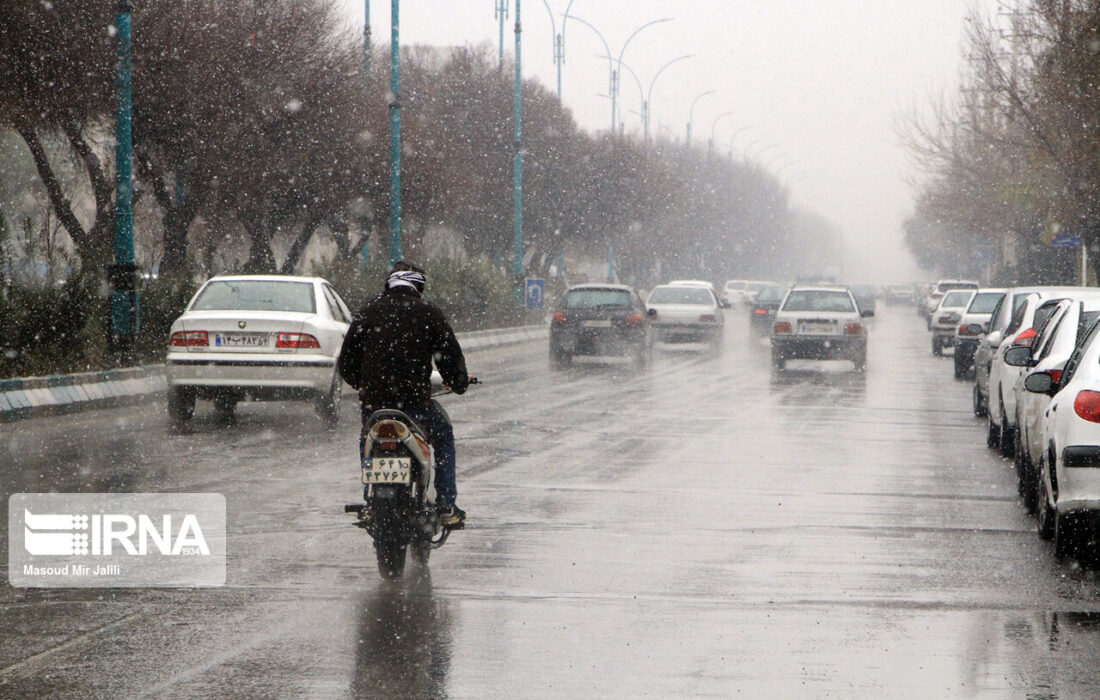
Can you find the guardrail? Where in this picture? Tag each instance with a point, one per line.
(31, 397)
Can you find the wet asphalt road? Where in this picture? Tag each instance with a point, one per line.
(703, 529)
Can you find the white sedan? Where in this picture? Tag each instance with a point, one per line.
(820, 323)
(257, 337)
(682, 313)
(1069, 464)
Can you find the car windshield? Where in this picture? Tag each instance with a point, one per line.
(680, 295)
(818, 300)
(955, 300)
(948, 286)
(984, 302)
(596, 298)
(735, 285)
(256, 295)
(771, 294)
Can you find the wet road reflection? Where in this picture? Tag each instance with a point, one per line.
(704, 527)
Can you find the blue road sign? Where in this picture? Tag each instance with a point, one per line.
(533, 292)
(1067, 240)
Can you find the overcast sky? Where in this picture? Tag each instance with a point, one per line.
(815, 87)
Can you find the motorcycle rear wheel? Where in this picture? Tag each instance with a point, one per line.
(391, 558)
(421, 551)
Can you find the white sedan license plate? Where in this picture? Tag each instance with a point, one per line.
(240, 340)
(817, 328)
(387, 470)
(597, 324)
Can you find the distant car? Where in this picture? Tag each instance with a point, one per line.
(945, 319)
(731, 291)
(685, 314)
(763, 308)
(971, 327)
(935, 293)
(1069, 462)
(899, 294)
(599, 320)
(258, 337)
(819, 323)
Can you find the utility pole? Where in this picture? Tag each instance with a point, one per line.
(517, 168)
(122, 273)
(395, 134)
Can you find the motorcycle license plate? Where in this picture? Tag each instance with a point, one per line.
(387, 470)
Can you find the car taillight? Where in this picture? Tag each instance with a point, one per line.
(188, 339)
(760, 312)
(559, 317)
(853, 328)
(1087, 405)
(707, 318)
(296, 341)
(635, 319)
(1055, 375)
(781, 327)
(1026, 338)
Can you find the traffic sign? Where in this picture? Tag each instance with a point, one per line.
(1067, 240)
(533, 292)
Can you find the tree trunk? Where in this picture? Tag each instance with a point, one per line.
(294, 255)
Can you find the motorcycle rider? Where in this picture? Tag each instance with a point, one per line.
(387, 355)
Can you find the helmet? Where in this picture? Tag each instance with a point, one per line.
(406, 274)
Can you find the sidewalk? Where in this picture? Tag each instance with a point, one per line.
(31, 397)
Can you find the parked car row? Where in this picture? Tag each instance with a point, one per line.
(1034, 355)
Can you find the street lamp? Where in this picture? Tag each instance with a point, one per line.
(649, 94)
(691, 112)
(713, 124)
(733, 139)
(559, 40)
(500, 12)
(641, 91)
(122, 273)
(395, 133)
(615, 92)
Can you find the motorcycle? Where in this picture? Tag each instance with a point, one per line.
(398, 477)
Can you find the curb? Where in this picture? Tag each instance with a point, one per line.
(33, 397)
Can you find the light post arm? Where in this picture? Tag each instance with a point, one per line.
(610, 65)
(713, 124)
(691, 112)
(615, 93)
(649, 93)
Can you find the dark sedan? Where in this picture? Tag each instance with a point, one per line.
(763, 308)
(599, 319)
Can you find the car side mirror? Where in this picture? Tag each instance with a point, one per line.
(1018, 356)
(652, 313)
(867, 313)
(994, 339)
(1039, 383)
(725, 303)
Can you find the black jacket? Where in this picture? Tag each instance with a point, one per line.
(388, 351)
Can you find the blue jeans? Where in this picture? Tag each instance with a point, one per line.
(442, 438)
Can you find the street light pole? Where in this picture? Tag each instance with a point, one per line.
(122, 273)
(500, 12)
(615, 83)
(395, 133)
(559, 40)
(364, 252)
(710, 143)
(641, 90)
(517, 169)
(691, 113)
(610, 64)
(649, 94)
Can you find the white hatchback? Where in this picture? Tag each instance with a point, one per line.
(257, 337)
(685, 313)
(820, 323)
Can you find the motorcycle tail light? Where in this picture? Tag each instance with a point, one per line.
(782, 327)
(188, 339)
(559, 317)
(1087, 406)
(296, 341)
(635, 319)
(389, 429)
(853, 328)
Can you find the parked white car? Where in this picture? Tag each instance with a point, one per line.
(1021, 330)
(685, 313)
(819, 323)
(1069, 462)
(946, 317)
(974, 325)
(257, 337)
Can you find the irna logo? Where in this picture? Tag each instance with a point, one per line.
(114, 533)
